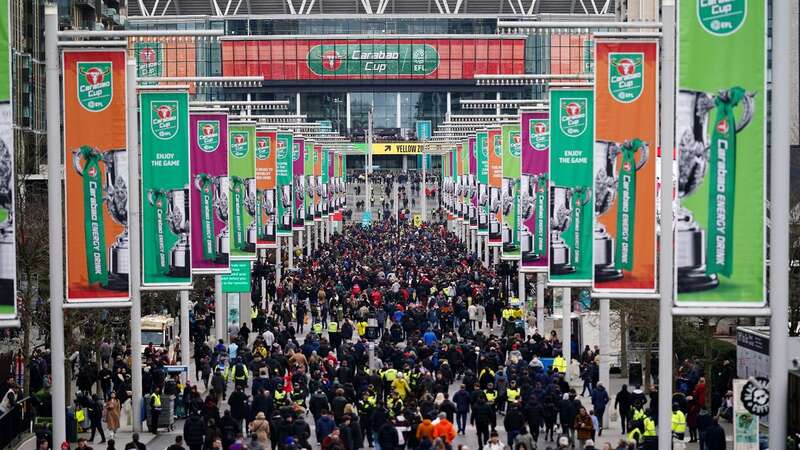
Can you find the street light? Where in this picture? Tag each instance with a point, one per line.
(338, 102)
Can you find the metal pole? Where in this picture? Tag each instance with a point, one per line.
(185, 356)
(134, 233)
(779, 251)
(665, 274)
(521, 293)
(541, 278)
(566, 327)
(368, 158)
(55, 233)
(291, 250)
(605, 362)
(424, 200)
(219, 312)
(278, 261)
(300, 238)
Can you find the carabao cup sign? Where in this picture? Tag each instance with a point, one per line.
(285, 189)
(8, 243)
(482, 156)
(495, 151)
(242, 191)
(208, 154)
(299, 183)
(534, 190)
(372, 59)
(165, 197)
(511, 139)
(721, 139)
(96, 176)
(571, 181)
(624, 166)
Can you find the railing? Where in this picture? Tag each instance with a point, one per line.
(16, 422)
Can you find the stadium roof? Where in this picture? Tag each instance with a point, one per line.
(155, 8)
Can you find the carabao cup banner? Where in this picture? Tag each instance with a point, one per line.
(512, 150)
(495, 143)
(535, 190)
(459, 188)
(208, 134)
(311, 185)
(96, 176)
(285, 197)
(472, 185)
(299, 180)
(266, 143)
(482, 156)
(327, 182)
(626, 108)
(165, 200)
(8, 243)
(571, 180)
(242, 192)
(318, 182)
(720, 134)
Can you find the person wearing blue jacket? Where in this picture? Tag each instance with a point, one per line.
(461, 399)
(599, 401)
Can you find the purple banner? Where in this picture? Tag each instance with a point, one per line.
(299, 179)
(473, 185)
(209, 189)
(534, 190)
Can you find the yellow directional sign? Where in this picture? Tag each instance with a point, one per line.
(397, 148)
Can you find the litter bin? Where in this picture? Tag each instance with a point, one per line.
(72, 426)
(635, 374)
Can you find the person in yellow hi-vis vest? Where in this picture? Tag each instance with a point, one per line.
(678, 422)
(317, 328)
(560, 364)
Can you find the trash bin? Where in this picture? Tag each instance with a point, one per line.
(635, 374)
(72, 425)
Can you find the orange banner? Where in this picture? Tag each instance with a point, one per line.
(266, 151)
(96, 175)
(626, 81)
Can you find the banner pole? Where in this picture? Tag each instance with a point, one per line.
(219, 314)
(541, 278)
(134, 233)
(423, 197)
(55, 230)
(290, 250)
(521, 292)
(666, 274)
(779, 205)
(566, 327)
(278, 261)
(486, 251)
(605, 362)
(185, 355)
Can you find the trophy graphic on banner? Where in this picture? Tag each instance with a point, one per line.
(698, 145)
(607, 183)
(483, 203)
(250, 203)
(508, 186)
(527, 208)
(495, 204)
(267, 198)
(567, 204)
(114, 184)
(7, 244)
(172, 205)
(285, 193)
(300, 195)
(223, 241)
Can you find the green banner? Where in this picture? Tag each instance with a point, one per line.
(5, 61)
(571, 172)
(242, 197)
(166, 239)
(482, 157)
(509, 190)
(238, 281)
(720, 134)
(373, 59)
(149, 60)
(284, 183)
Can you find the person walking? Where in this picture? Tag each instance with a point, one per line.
(599, 401)
(583, 427)
(622, 403)
(96, 418)
(113, 410)
(194, 431)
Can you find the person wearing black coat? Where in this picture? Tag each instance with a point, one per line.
(387, 436)
(238, 403)
(481, 418)
(533, 414)
(229, 427)
(514, 422)
(715, 436)
(355, 431)
(462, 401)
(194, 431)
(623, 404)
